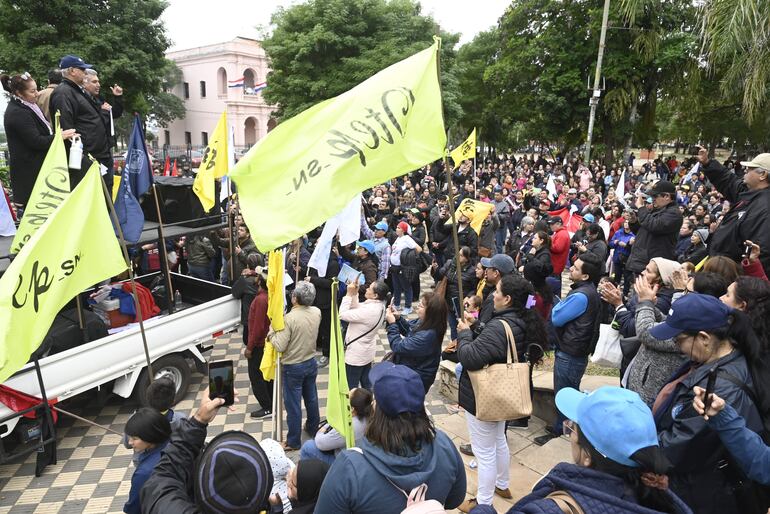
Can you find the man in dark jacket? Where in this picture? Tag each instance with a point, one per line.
(577, 326)
(323, 300)
(363, 261)
(109, 112)
(749, 212)
(195, 480)
(656, 229)
(200, 251)
(78, 111)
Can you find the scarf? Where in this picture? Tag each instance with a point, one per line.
(37, 111)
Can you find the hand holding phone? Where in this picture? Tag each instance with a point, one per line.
(707, 397)
(222, 381)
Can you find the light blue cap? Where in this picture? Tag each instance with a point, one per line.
(614, 420)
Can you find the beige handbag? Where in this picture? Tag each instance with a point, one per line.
(502, 391)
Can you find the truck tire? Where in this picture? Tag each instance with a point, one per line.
(174, 366)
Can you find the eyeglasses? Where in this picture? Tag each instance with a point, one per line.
(568, 428)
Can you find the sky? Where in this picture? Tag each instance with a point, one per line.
(192, 23)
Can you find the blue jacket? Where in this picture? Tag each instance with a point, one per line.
(744, 445)
(418, 350)
(145, 463)
(361, 482)
(594, 491)
(621, 236)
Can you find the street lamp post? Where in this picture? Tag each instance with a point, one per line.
(594, 101)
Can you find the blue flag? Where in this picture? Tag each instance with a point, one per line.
(136, 180)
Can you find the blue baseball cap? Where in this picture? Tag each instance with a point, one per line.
(397, 389)
(589, 218)
(366, 245)
(500, 261)
(381, 225)
(692, 313)
(73, 61)
(614, 420)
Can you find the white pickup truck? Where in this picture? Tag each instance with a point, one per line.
(174, 340)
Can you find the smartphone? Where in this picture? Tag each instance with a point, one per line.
(747, 251)
(712, 378)
(222, 381)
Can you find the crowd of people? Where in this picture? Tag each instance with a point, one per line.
(673, 255)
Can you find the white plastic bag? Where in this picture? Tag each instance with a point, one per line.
(608, 352)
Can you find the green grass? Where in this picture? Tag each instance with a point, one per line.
(592, 369)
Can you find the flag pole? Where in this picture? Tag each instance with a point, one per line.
(296, 262)
(167, 271)
(454, 233)
(230, 225)
(116, 223)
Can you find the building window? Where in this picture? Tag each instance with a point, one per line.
(186, 88)
(205, 138)
(188, 138)
(203, 89)
(166, 137)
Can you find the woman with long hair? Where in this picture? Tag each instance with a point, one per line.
(401, 449)
(488, 440)
(537, 268)
(417, 343)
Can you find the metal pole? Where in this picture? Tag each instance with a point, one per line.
(454, 236)
(164, 254)
(81, 318)
(116, 223)
(597, 78)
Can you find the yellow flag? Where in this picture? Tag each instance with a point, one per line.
(115, 186)
(73, 250)
(275, 308)
(51, 187)
(467, 150)
(475, 210)
(213, 165)
(309, 167)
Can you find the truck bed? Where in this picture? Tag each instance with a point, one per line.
(212, 310)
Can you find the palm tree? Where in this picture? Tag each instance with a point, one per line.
(735, 38)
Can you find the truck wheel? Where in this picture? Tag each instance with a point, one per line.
(173, 366)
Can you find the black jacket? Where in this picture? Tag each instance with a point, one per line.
(79, 111)
(468, 278)
(746, 219)
(538, 267)
(490, 347)
(467, 237)
(323, 285)
(656, 232)
(117, 112)
(694, 253)
(28, 143)
(695, 450)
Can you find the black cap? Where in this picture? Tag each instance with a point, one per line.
(663, 187)
(555, 219)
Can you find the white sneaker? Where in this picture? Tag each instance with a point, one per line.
(406, 312)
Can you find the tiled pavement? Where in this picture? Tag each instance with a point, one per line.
(93, 473)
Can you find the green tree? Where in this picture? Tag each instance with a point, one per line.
(735, 35)
(124, 40)
(323, 48)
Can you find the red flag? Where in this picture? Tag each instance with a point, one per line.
(18, 401)
(173, 170)
(571, 219)
(167, 167)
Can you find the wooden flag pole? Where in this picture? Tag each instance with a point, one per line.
(164, 254)
(230, 236)
(116, 223)
(454, 234)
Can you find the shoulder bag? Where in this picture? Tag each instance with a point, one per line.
(502, 391)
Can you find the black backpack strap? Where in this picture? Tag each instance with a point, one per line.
(742, 385)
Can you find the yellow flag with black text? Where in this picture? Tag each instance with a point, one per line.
(475, 210)
(213, 165)
(309, 167)
(51, 188)
(467, 150)
(75, 249)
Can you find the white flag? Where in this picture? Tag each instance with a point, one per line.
(620, 191)
(348, 223)
(550, 186)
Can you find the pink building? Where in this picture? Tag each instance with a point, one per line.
(217, 77)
